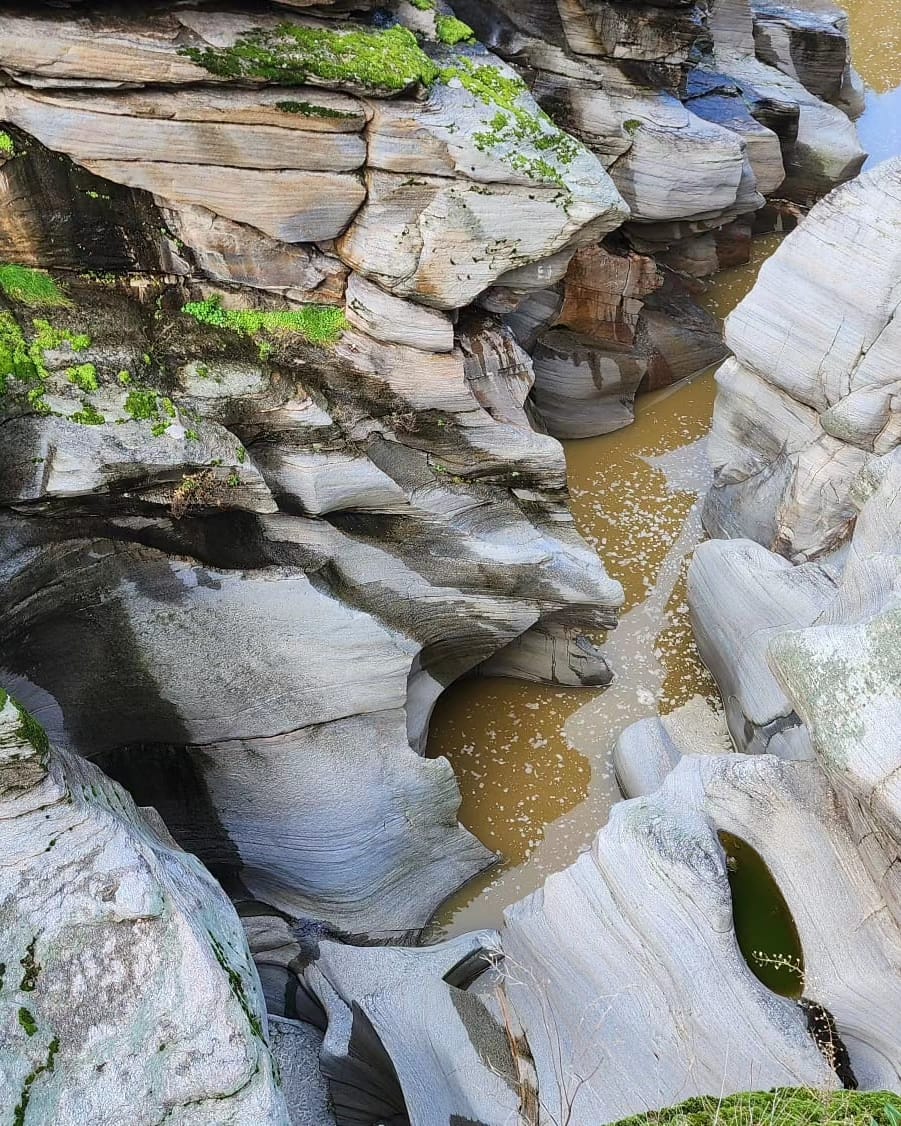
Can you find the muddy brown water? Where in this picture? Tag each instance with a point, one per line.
(534, 762)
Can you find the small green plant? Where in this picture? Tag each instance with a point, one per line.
(318, 324)
(34, 288)
(27, 1021)
(142, 404)
(7, 145)
(88, 416)
(452, 31)
(631, 126)
(83, 376)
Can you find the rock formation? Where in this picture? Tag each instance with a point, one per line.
(358, 491)
(698, 116)
(118, 947)
(811, 394)
(276, 283)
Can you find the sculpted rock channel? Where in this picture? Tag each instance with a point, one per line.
(295, 300)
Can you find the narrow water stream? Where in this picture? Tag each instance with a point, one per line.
(533, 762)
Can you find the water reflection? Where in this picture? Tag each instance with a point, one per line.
(876, 50)
(880, 126)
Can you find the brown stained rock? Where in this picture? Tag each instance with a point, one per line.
(604, 292)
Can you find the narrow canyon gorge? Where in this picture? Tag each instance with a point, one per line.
(450, 541)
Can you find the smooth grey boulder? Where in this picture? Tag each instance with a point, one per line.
(628, 959)
(407, 1040)
(743, 598)
(130, 993)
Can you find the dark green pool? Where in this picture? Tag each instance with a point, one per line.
(763, 923)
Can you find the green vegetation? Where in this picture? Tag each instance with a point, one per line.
(28, 1022)
(29, 731)
(308, 109)
(47, 337)
(453, 31)
(514, 124)
(33, 288)
(88, 416)
(7, 145)
(785, 1106)
(30, 966)
(83, 376)
(144, 404)
(236, 982)
(631, 126)
(26, 364)
(389, 59)
(317, 324)
(48, 1065)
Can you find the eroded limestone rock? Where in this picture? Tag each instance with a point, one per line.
(812, 393)
(117, 948)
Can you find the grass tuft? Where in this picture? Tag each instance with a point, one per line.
(317, 324)
(785, 1106)
(33, 288)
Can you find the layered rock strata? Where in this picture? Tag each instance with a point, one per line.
(699, 114)
(811, 395)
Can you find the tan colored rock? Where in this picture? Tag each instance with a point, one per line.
(603, 294)
(403, 241)
(239, 254)
(292, 206)
(218, 127)
(385, 317)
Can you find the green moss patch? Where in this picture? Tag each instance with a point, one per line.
(236, 984)
(452, 31)
(308, 109)
(785, 1106)
(389, 59)
(21, 1107)
(514, 123)
(83, 376)
(24, 362)
(33, 288)
(29, 730)
(7, 145)
(317, 324)
(27, 1021)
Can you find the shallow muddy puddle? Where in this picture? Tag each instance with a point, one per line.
(534, 762)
